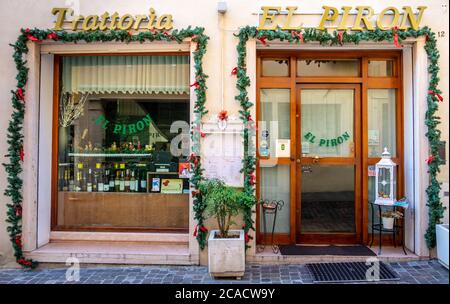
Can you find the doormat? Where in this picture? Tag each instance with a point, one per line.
(350, 272)
(358, 250)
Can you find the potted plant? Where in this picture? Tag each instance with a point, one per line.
(226, 248)
(388, 218)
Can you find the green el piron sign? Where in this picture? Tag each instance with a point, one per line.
(331, 142)
(124, 129)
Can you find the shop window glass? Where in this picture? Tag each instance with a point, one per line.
(275, 120)
(123, 126)
(275, 67)
(327, 122)
(381, 68)
(328, 67)
(275, 185)
(381, 121)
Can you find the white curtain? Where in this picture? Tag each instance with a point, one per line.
(327, 115)
(126, 74)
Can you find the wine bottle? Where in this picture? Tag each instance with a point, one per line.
(117, 182)
(111, 179)
(99, 177)
(143, 181)
(122, 182)
(106, 181)
(71, 180)
(133, 184)
(83, 179)
(65, 181)
(89, 181)
(127, 180)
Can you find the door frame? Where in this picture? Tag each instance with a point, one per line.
(292, 80)
(341, 238)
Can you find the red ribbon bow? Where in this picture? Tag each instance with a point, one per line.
(252, 179)
(223, 115)
(234, 71)
(19, 94)
(433, 93)
(52, 36)
(263, 40)
(394, 31)
(297, 34)
(340, 36)
(18, 241)
(195, 84)
(21, 154)
(24, 262)
(202, 134)
(247, 238)
(195, 231)
(430, 159)
(19, 211)
(203, 229)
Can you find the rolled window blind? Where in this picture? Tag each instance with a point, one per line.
(126, 74)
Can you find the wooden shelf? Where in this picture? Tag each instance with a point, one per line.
(110, 154)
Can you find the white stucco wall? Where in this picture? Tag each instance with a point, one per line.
(27, 13)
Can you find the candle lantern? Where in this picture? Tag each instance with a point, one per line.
(385, 180)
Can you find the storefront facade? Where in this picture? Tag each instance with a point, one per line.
(108, 126)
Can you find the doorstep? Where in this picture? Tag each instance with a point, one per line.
(388, 255)
(114, 252)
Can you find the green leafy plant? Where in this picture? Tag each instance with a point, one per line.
(222, 202)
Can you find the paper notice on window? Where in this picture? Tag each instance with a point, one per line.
(222, 158)
(283, 148)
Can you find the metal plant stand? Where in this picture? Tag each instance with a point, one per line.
(269, 209)
(379, 227)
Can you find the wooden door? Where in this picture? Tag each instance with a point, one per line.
(328, 163)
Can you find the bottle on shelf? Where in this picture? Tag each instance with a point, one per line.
(143, 181)
(99, 177)
(127, 180)
(71, 180)
(65, 182)
(89, 182)
(133, 182)
(78, 185)
(111, 180)
(106, 181)
(122, 182)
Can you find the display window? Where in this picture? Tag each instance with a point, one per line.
(122, 142)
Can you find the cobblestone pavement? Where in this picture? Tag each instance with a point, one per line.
(417, 272)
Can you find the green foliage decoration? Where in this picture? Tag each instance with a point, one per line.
(16, 154)
(341, 38)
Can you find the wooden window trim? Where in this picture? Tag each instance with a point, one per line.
(366, 82)
(55, 136)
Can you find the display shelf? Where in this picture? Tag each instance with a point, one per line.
(110, 154)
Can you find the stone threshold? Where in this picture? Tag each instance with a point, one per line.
(388, 255)
(114, 252)
(172, 238)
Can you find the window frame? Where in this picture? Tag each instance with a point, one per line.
(57, 77)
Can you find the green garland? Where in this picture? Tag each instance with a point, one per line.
(15, 128)
(435, 207)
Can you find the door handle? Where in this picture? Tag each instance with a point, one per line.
(316, 159)
(295, 159)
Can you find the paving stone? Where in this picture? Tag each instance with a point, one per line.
(417, 272)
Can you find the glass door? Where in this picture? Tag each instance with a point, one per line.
(328, 167)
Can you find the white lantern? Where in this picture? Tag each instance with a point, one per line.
(385, 180)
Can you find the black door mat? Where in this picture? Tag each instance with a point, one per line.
(358, 250)
(350, 272)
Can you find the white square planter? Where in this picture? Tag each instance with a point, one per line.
(226, 257)
(442, 244)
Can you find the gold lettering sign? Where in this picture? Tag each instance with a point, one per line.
(334, 18)
(113, 21)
